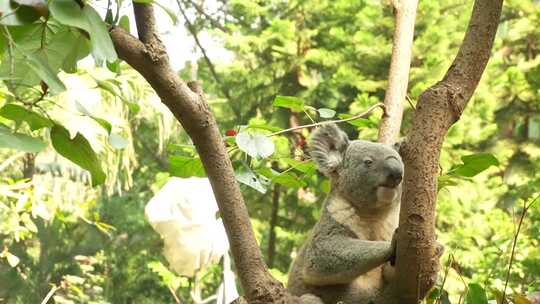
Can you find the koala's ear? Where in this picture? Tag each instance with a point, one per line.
(327, 146)
(399, 144)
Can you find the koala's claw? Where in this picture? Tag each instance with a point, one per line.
(439, 250)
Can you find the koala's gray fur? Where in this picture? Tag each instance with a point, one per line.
(346, 257)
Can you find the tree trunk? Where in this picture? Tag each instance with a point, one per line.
(398, 76)
(438, 108)
(147, 55)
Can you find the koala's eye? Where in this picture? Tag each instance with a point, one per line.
(368, 162)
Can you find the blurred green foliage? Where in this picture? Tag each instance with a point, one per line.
(321, 59)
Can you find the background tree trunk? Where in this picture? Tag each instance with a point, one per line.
(438, 108)
(398, 76)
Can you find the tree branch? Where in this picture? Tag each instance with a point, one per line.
(213, 21)
(398, 77)
(146, 29)
(211, 66)
(437, 109)
(189, 106)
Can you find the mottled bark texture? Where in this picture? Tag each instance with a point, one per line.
(148, 56)
(398, 76)
(438, 108)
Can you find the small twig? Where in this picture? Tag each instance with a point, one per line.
(409, 100)
(49, 295)
(213, 21)
(176, 299)
(514, 243)
(361, 115)
(450, 261)
(211, 66)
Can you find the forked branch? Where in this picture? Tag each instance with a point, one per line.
(438, 108)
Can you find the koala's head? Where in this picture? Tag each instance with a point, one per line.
(365, 173)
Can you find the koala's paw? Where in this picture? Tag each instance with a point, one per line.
(393, 248)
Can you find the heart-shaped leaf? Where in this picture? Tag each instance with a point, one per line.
(294, 103)
(68, 12)
(474, 164)
(79, 151)
(255, 144)
(249, 178)
(182, 166)
(18, 114)
(326, 113)
(476, 294)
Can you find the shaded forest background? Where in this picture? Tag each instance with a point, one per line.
(96, 243)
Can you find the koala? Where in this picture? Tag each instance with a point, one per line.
(347, 256)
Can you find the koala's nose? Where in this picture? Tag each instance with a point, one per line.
(394, 176)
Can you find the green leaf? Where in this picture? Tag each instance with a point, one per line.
(436, 294)
(124, 23)
(14, 14)
(18, 114)
(255, 145)
(19, 141)
(249, 178)
(86, 18)
(79, 151)
(183, 166)
(360, 122)
(476, 295)
(41, 67)
(288, 179)
(474, 164)
(108, 86)
(326, 113)
(325, 186)
(264, 127)
(102, 122)
(294, 103)
(114, 66)
(169, 12)
(302, 166)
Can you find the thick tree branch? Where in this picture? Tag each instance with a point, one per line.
(188, 105)
(398, 77)
(438, 108)
(146, 29)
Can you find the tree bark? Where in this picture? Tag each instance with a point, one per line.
(438, 108)
(398, 77)
(188, 105)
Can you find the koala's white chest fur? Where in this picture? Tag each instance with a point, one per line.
(376, 226)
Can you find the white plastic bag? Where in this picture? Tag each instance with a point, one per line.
(183, 212)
